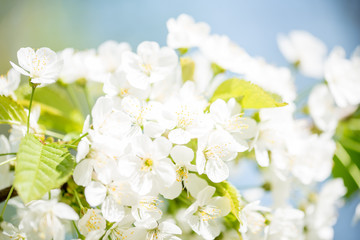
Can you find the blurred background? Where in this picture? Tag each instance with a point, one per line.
(253, 25)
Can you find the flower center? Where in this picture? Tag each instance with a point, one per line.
(181, 174)
(147, 164)
(216, 151)
(235, 124)
(208, 212)
(147, 68)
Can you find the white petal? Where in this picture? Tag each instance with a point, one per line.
(217, 170)
(82, 150)
(205, 195)
(163, 147)
(179, 136)
(194, 184)
(82, 173)
(112, 211)
(221, 203)
(200, 162)
(19, 69)
(64, 211)
(169, 228)
(182, 155)
(95, 193)
(173, 191)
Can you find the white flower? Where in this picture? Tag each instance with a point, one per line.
(227, 116)
(146, 210)
(151, 64)
(303, 49)
(113, 198)
(42, 66)
(148, 167)
(159, 231)
(10, 232)
(287, 223)
(213, 150)
(184, 115)
(118, 85)
(9, 83)
(251, 218)
(182, 157)
(99, 162)
(309, 159)
(110, 53)
(41, 220)
(324, 111)
(143, 116)
(203, 214)
(185, 33)
(93, 224)
(321, 216)
(343, 77)
(225, 53)
(81, 65)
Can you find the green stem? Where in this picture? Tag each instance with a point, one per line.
(5, 154)
(7, 161)
(33, 87)
(54, 134)
(6, 202)
(79, 138)
(76, 229)
(78, 200)
(88, 100)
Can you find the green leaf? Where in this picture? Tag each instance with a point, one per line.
(347, 154)
(217, 69)
(187, 69)
(227, 190)
(58, 112)
(247, 94)
(11, 112)
(40, 168)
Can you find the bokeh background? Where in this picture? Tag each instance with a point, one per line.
(253, 25)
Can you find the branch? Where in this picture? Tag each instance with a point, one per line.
(4, 193)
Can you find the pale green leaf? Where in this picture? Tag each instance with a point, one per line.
(11, 112)
(187, 69)
(247, 94)
(40, 168)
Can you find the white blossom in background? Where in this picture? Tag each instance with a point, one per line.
(252, 218)
(322, 215)
(287, 223)
(151, 64)
(110, 54)
(273, 79)
(343, 77)
(9, 83)
(303, 49)
(225, 53)
(42, 66)
(325, 113)
(185, 33)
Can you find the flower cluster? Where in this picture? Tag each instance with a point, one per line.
(154, 155)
